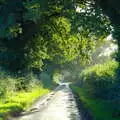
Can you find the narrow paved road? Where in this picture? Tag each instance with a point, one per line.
(60, 105)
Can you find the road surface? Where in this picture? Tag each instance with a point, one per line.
(59, 105)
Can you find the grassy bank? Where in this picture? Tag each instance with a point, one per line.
(19, 101)
(99, 109)
(18, 92)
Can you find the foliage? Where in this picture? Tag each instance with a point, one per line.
(91, 20)
(13, 104)
(35, 31)
(57, 32)
(99, 109)
(48, 74)
(17, 93)
(10, 83)
(57, 76)
(100, 80)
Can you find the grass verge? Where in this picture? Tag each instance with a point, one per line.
(99, 109)
(16, 102)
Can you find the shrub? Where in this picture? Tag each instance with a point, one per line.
(57, 77)
(10, 83)
(100, 80)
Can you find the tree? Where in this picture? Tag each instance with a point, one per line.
(57, 31)
(50, 34)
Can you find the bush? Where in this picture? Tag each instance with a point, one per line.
(10, 83)
(57, 77)
(17, 93)
(100, 80)
(99, 109)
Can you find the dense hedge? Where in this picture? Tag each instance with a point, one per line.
(100, 80)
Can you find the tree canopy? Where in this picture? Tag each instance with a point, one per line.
(36, 30)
